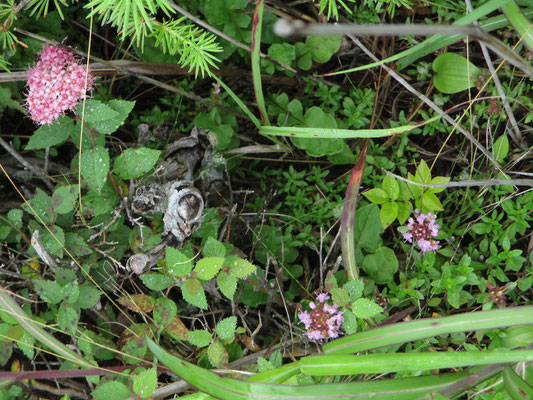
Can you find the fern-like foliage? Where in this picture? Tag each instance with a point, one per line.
(40, 7)
(136, 19)
(195, 46)
(128, 15)
(333, 7)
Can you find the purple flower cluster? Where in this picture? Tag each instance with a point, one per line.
(323, 321)
(421, 231)
(56, 84)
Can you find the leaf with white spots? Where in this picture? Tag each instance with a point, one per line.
(94, 167)
(226, 328)
(145, 383)
(364, 308)
(208, 267)
(135, 162)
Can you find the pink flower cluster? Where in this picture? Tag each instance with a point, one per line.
(323, 321)
(421, 231)
(57, 83)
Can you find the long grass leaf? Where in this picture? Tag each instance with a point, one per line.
(428, 327)
(520, 22)
(256, 60)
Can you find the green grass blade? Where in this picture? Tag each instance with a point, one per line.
(428, 327)
(10, 306)
(256, 60)
(515, 386)
(406, 362)
(520, 22)
(325, 133)
(233, 389)
(239, 102)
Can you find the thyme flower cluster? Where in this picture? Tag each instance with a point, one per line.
(323, 321)
(56, 84)
(421, 231)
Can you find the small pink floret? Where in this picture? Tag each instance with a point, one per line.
(56, 84)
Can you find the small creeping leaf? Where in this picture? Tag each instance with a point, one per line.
(208, 267)
(135, 162)
(113, 390)
(364, 308)
(145, 383)
(199, 338)
(226, 328)
(454, 73)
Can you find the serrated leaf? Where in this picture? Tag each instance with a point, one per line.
(178, 264)
(164, 311)
(197, 300)
(145, 383)
(226, 328)
(96, 111)
(431, 202)
(241, 268)
(135, 162)
(68, 317)
(263, 365)
(89, 295)
(156, 281)
(49, 291)
(138, 302)
(76, 245)
(113, 390)
(71, 292)
(339, 296)
(227, 284)
(199, 338)
(177, 329)
(52, 135)
(423, 173)
(208, 267)
(64, 198)
(54, 240)
(214, 248)
(215, 354)
(192, 286)
(95, 167)
(364, 308)
(354, 288)
(349, 325)
(40, 205)
(110, 125)
(390, 187)
(276, 359)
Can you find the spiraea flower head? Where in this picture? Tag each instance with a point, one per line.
(56, 84)
(421, 230)
(323, 320)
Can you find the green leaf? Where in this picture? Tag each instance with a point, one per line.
(391, 187)
(49, 291)
(178, 264)
(215, 353)
(376, 196)
(89, 295)
(227, 284)
(339, 296)
(156, 281)
(368, 228)
(500, 149)
(135, 162)
(226, 328)
(65, 275)
(431, 202)
(113, 390)
(423, 172)
(71, 291)
(199, 338)
(40, 206)
(64, 198)
(364, 308)
(52, 135)
(96, 111)
(54, 240)
(177, 329)
(349, 324)
(138, 302)
(68, 317)
(388, 213)
(164, 311)
(382, 265)
(197, 299)
(192, 286)
(76, 245)
(94, 167)
(323, 47)
(145, 383)
(454, 73)
(241, 268)
(208, 267)
(317, 147)
(122, 109)
(354, 288)
(214, 248)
